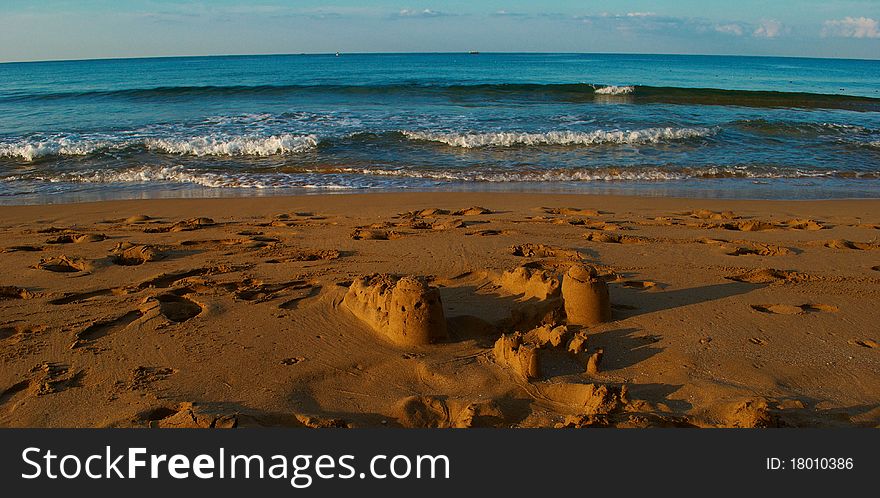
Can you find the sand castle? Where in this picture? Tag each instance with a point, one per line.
(514, 353)
(585, 296)
(405, 310)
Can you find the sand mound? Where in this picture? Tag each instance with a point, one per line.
(585, 399)
(745, 413)
(472, 211)
(530, 283)
(577, 344)
(548, 335)
(585, 296)
(407, 311)
(594, 361)
(137, 218)
(705, 214)
(805, 224)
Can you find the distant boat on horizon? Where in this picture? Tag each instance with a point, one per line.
(473, 52)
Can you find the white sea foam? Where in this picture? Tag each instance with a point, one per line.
(60, 146)
(234, 146)
(508, 139)
(180, 174)
(615, 90)
(596, 175)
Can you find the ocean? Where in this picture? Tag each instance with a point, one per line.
(699, 126)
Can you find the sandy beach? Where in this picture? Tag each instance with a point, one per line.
(440, 310)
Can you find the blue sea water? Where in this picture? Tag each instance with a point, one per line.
(748, 127)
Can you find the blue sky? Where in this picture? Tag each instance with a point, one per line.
(77, 29)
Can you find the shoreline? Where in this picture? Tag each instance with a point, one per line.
(237, 312)
(634, 191)
(413, 197)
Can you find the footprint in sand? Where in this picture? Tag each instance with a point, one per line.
(12, 292)
(45, 378)
(51, 229)
(371, 233)
(769, 276)
(183, 226)
(23, 249)
(790, 309)
(435, 412)
(615, 238)
(103, 328)
(639, 284)
(128, 254)
(178, 309)
(85, 296)
(490, 232)
(749, 226)
(258, 291)
(19, 333)
(759, 249)
(307, 255)
(77, 238)
(299, 295)
(186, 416)
(867, 343)
(569, 211)
(543, 251)
(848, 244)
(142, 377)
(63, 264)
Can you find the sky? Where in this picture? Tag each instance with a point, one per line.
(87, 29)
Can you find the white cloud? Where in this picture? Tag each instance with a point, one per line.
(505, 13)
(640, 14)
(852, 27)
(769, 28)
(421, 13)
(729, 29)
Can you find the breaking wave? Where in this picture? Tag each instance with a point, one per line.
(59, 146)
(236, 146)
(565, 138)
(615, 90)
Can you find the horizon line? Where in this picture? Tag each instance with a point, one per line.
(287, 54)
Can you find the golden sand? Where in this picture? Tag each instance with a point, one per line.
(441, 310)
